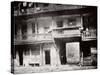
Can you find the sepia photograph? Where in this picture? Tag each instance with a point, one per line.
(50, 37)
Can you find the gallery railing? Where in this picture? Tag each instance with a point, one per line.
(89, 35)
(66, 32)
(33, 37)
(43, 9)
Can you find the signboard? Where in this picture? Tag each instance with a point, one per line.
(72, 52)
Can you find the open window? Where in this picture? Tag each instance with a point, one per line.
(33, 27)
(46, 29)
(24, 31)
(60, 23)
(72, 22)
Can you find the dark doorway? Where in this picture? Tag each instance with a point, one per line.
(21, 57)
(86, 49)
(47, 57)
(61, 44)
(24, 31)
(63, 53)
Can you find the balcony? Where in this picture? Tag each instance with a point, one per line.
(34, 38)
(42, 9)
(89, 35)
(66, 32)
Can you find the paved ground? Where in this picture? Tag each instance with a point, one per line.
(50, 68)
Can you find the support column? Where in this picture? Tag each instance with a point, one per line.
(36, 23)
(29, 30)
(41, 55)
(58, 58)
(57, 55)
(16, 61)
(19, 33)
(52, 26)
(55, 45)
(82, 21)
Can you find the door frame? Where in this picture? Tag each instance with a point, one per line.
(46, 49)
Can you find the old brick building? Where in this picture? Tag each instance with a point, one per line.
(53, 34)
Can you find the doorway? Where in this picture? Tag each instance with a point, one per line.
(21, 57)
(63, 53)
(47, 57)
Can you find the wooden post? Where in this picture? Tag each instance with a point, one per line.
(41, 55)
(19, 33)
(36, 23)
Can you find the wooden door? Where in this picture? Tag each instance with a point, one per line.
(47, 57)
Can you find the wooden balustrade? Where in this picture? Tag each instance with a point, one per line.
(33, 37)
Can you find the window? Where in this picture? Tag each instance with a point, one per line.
(59, 23)
(33, 28)
(24, 31)
(72, 21)
(16, 29)
(46, 5)
(35, 50)
(27, 52)
(46, 29)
